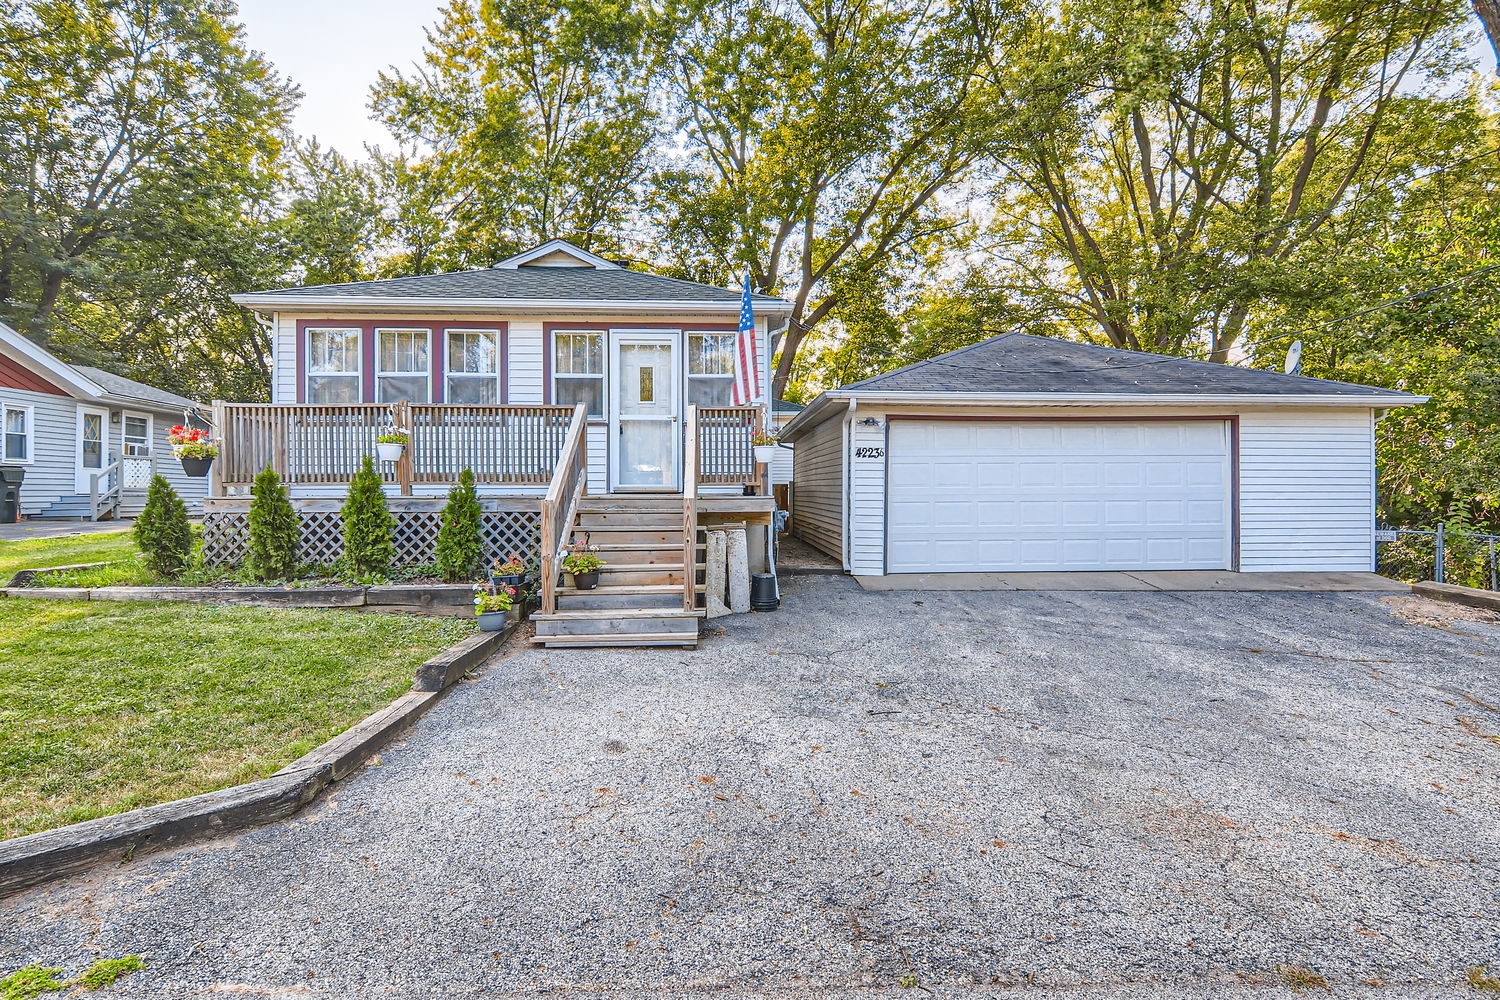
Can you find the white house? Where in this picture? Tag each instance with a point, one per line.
(1025, 453)
(87, 441)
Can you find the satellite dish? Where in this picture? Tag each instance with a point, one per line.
(1294, 358)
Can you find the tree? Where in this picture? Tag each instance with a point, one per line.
(529, 119)
(1192, 156)
(133, 129)
(162, 532)
(820, 138)
(332, 218)
(1489, 16)
(274, 529)
(368, 546)
(460, 550)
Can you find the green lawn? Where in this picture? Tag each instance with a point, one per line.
(106, 707)
(32, 553)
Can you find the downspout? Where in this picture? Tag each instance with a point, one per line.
(848, 474)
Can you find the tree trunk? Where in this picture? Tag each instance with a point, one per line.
(1489, 16)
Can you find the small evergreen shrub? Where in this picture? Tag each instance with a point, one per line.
(460, 553)
(162, 531)
(274, 531)
(368, 545)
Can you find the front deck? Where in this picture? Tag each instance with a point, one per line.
(531, 466)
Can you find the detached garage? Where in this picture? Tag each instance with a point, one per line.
(1027, 454)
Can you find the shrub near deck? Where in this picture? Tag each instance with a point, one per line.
(107, 707)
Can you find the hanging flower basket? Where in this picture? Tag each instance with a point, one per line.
(390, 447)
(764, 446)
(193, 449)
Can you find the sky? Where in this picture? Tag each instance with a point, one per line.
(333, 50)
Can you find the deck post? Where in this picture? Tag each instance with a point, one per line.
(218, 422)
(690, 510)
(401, 420)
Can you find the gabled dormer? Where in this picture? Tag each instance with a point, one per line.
(557, 253)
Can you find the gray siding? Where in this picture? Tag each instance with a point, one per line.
(818, 488)
(54, 431)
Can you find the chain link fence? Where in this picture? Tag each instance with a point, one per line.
(1442, 554)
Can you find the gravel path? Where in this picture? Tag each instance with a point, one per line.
(1139, 794)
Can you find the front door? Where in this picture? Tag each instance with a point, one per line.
(93, 426)
(645, 429)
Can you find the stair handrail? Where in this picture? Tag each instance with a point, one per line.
(112, 491)
(690, 510)
(560, 506)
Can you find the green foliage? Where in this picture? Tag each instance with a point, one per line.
(460, 551)
(162, 531)
(31, 982)
(106, 971)
(368, 545)
(274, 530)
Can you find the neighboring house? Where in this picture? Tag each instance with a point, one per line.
(1025, 453)
(782, 413)
(88, 441)
(591, 402)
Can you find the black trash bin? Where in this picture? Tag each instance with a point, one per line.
(10, 493)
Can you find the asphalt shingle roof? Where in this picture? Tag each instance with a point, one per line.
(1022, 362)
(118, 385)
(588, 283)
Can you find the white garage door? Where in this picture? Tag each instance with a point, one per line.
(994, 496)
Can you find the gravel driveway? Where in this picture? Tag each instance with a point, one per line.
(1139, 793)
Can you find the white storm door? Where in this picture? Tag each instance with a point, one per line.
(1079, 495)
(93, 446)
(645, 422)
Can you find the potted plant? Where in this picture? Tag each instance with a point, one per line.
(511, 573)
(764, 446)
(582, 563)
(390, 445)
(193, 449)
(493, 606)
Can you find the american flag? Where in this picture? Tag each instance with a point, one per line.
(746, 367)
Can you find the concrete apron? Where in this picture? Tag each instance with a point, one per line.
(1160, 580)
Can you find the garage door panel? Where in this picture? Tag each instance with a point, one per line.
(1080, 495)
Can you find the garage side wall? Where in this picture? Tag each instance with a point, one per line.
(867, 472)
(1307, 491)
(818, 488)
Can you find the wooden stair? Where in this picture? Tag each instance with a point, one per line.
(639, 600)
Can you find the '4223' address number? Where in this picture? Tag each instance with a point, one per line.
(869, 452)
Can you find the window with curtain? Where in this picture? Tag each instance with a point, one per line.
(17, 422)
(402, 368)
(137, 434)
(710, 368)
(578, 370)
(473, 366)
(333, 365)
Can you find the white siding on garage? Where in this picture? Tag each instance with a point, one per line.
(1307, 491)
(818, 488)
(867, 495)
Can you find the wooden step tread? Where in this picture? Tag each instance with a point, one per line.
(638, 639)
(607, 614)
(626, 588)
(674, 525)
(641, 546)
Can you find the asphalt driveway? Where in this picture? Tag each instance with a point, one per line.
(1135, 793)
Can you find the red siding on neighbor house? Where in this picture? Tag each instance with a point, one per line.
(14, 375)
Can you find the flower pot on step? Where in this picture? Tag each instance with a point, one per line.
(196, 467)
(586, 581)
(389, 452)
(492, 621)
(516, 580)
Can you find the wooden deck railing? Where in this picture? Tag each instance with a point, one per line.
(723, 454)
(690, 511)
(569, 482)
(324, 445)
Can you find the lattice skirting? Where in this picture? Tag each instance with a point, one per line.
(226, 535)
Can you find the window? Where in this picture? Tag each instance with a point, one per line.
(333, 365)
(401, 367)
(137, 435)
(473, 366)
(710, 368)
(17, 422)
(578, 370)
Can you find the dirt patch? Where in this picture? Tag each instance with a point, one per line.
(1437, 614)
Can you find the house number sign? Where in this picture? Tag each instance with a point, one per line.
(869, 452)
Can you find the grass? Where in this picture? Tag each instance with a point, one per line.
(1299, 977)
(32, 553)
(35, 980)
(107, 707)
(1481, 980)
